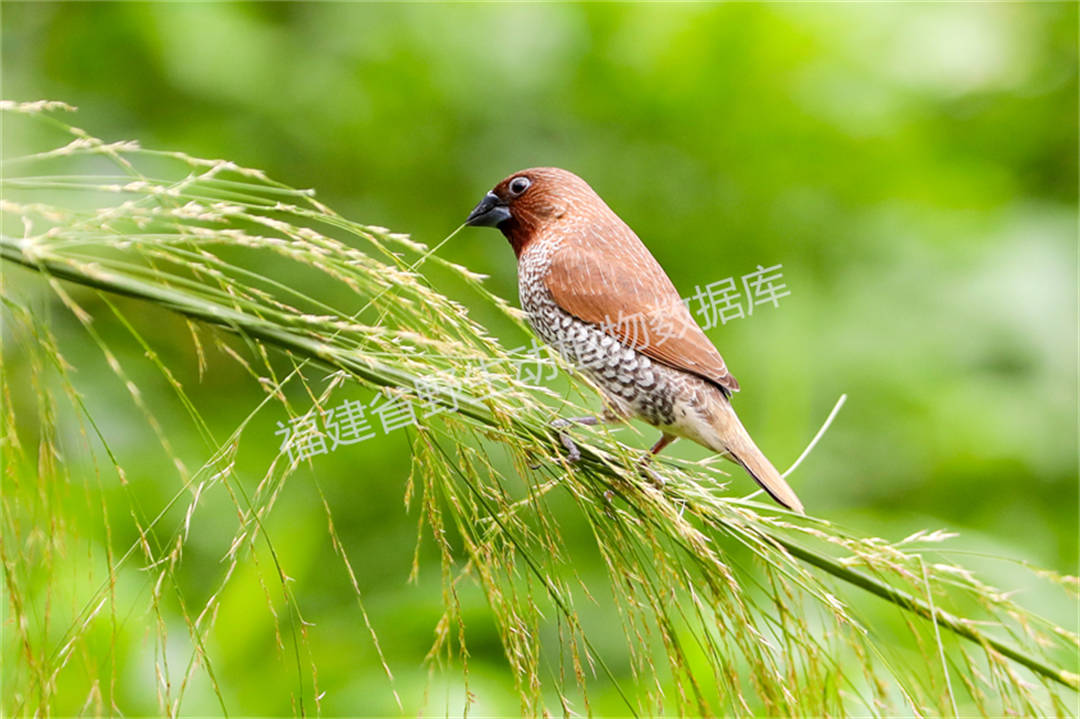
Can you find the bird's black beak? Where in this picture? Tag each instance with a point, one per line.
(491, 212)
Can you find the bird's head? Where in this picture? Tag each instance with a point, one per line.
(532, 201)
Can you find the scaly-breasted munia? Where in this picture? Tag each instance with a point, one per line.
(592, 290)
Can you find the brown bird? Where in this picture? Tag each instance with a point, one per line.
(592, 290)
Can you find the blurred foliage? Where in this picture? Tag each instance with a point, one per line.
(912, 166)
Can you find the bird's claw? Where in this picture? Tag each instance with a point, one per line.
(649, 473)
(653, 476)
(573, 454)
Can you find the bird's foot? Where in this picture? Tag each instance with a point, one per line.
(650, 473)
(643, 465)
(573, 454)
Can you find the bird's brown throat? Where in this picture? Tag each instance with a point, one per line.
(527, 223)
(518, 234)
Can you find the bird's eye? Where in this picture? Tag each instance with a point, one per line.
(519, 185)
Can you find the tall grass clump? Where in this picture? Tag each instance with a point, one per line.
(721, 605)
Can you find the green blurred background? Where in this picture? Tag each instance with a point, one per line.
(913, 167)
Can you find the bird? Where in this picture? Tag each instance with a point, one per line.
(591, 289)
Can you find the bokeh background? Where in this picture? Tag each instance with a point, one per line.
(913, 167)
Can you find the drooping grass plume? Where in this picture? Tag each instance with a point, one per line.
(723, 605)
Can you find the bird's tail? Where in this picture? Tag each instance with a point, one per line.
(740, 448)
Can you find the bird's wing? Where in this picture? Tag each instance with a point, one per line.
(612, 280)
